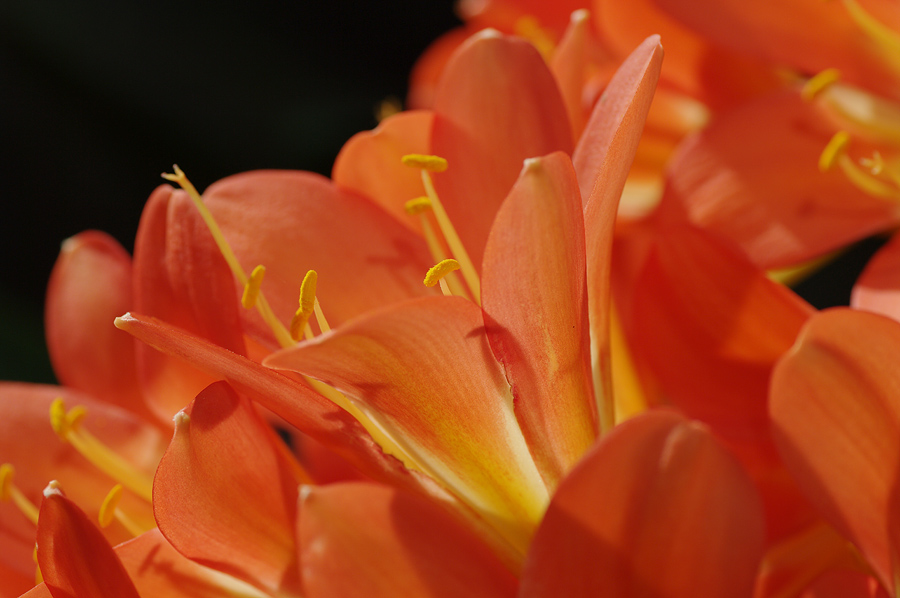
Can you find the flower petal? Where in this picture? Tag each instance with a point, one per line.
(657, 508)
(74, 557)
(836, 420)
(602, 159)
(225, 495)
(536, 247)
(497, 105)
(369, 163)
(181, 277)
(421, 549)
(752, 176)
(423, 370)
(309, 411)
(807, 36)
(292, 222)
(89, 287)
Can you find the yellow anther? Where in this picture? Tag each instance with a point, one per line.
(38, 576)
(819, 83)
(836, 148)
(299, 324)
(425, 162)
(75, 416)
(58, 419)
(7, 471)
(251, 289)
(416, 206)
(109, 506)
(388, 107)
(308, 292)
(439, 271)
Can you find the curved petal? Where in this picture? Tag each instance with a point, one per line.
(497, 105)
(225, 495)
(180, 277)
(423, 370)
(537, 244)
(426, 73)
(657, 508)
(506, 14)
(602, 160)
(300, 406)
(570, 68)
(74, 557)
(89, 287)
(802, 34)
(752, 176)
(292, 222)
(369, 163)
(835, 411)
(421, 550)
(878, 287)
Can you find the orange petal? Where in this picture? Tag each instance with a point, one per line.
(705, 71)
(181, 277)
(570, 68)
(497, 105)
(74, 557)
(89, 287)
(878, 287)
(424, 371)
(157, 569)
(505, 14)
(292, 222)
(602, 159)
(657, 508)
(536, 247)
(366, 540)
(711, 325)
(369, 163)
(842, 583)
(225, 495)
(426, 73)
(309, 411)
(752, 176)
(808, 36)
(836, 419)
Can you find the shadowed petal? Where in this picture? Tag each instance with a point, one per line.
(367, 540)
(89, 287)
(657, 508)
(180, 277)
(497, 105)
(835, 409)
(424, 371)
(878, 287)
(225, 494)
(536, 249)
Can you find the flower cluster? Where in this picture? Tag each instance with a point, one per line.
(604, 386)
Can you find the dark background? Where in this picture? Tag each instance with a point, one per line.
(98, 98)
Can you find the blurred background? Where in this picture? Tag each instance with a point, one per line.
(97, 98)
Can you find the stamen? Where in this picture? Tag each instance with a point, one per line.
(884, 37)
(470, 274)
(252, 288)
(836, 147)
(9, 491)
(110, 510)
(388, 107)
(282, 335)
(68, 428)
(427, 163)
(437, 273)
(38, 576)
(300, 321)
(420, 207)
(819, 83)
